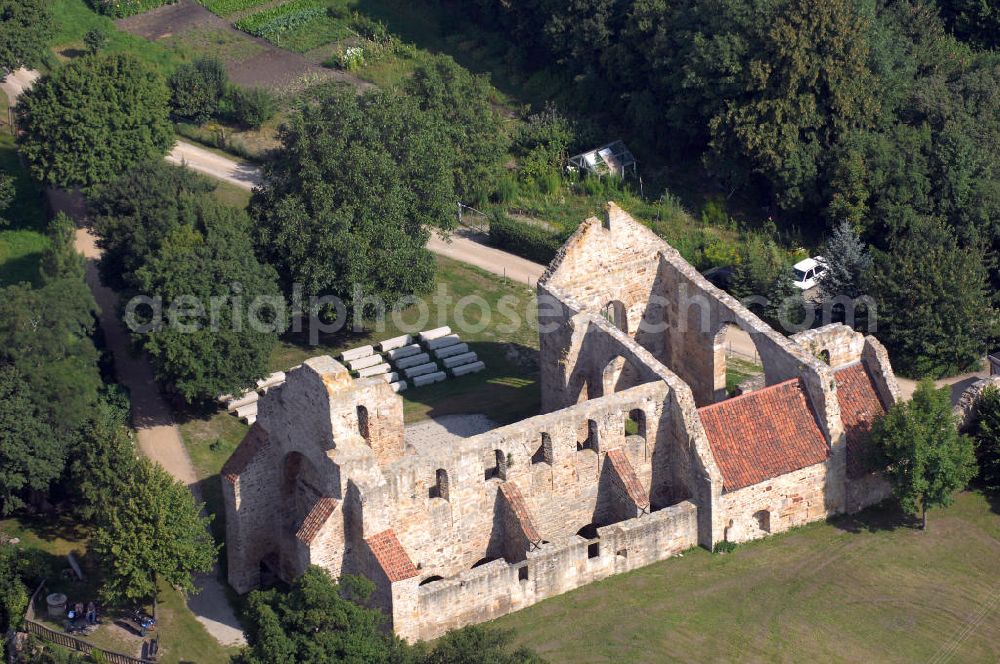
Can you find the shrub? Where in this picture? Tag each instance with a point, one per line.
(507, 189)
(550, 182)
(252, 107)
(725, 546)
(198, 89)
(525, 240)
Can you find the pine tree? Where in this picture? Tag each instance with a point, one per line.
(935, 312)
(988, 437)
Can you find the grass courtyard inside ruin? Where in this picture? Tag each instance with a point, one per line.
(857, 589)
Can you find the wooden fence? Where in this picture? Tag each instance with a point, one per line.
(31, 626)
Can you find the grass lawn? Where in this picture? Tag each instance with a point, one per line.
(738, 370)
(22, 235)
(862, 589)
(73, 18)
(506, 391)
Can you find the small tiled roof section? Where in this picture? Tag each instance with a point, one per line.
(515, 501)
(317, 516)
(763, 434)
(860, 404)
(252, 444)
(619, 461)
(391, 556)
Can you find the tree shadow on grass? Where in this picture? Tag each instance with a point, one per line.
(885, 516)
(506, 391)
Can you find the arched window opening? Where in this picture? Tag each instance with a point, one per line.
(736, 362)
(824, 356)
(363, 425)
(440, 488)
(590, 441)
(615, 313)
(763, 519)
(589, 532)
(544, 452)
(635, 423)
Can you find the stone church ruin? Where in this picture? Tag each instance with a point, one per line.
(638, 454)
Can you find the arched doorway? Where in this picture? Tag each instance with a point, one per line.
(735, 361)
(619, 374)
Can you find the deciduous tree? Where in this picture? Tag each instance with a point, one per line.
(31, 457)
(209, 269)
(988, 437)
(151, 531)
(349, 198)
(93, 119)
(25, 29)
(925, 457)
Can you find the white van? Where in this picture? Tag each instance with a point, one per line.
(807, 272)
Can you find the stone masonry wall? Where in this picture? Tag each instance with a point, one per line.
(791, 500)
(498, 588)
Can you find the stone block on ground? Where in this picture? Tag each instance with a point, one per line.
(395, 342)
(356, 353)
(448, 351)
(436, 333)
(443, 342)
(458, 360)
(368, 372)
(364, 362)
(277, 378)
(405, 351)
(245, 399)
(398, 386)
(412, 361)
(249, 409)
(427, 379)
(391, 377)
(422, 369)
(468, 368)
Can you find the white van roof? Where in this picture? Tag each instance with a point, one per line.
(807, 263)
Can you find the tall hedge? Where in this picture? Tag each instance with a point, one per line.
(527, 241)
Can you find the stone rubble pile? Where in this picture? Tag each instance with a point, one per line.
(431, 357)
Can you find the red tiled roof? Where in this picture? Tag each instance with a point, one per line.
(517, 505)
(252, 444)
(859, 406)
(763, 434)
(391, 556)
(317, 516)
(619, 461)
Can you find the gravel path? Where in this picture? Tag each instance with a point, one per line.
(240, 173)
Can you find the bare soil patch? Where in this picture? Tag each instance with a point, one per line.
(190, 27)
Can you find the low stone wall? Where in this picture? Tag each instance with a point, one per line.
(497, 588)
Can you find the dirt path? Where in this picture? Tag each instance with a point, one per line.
(240, 173)
(17, 82)
(468, 247)
(157, 433)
